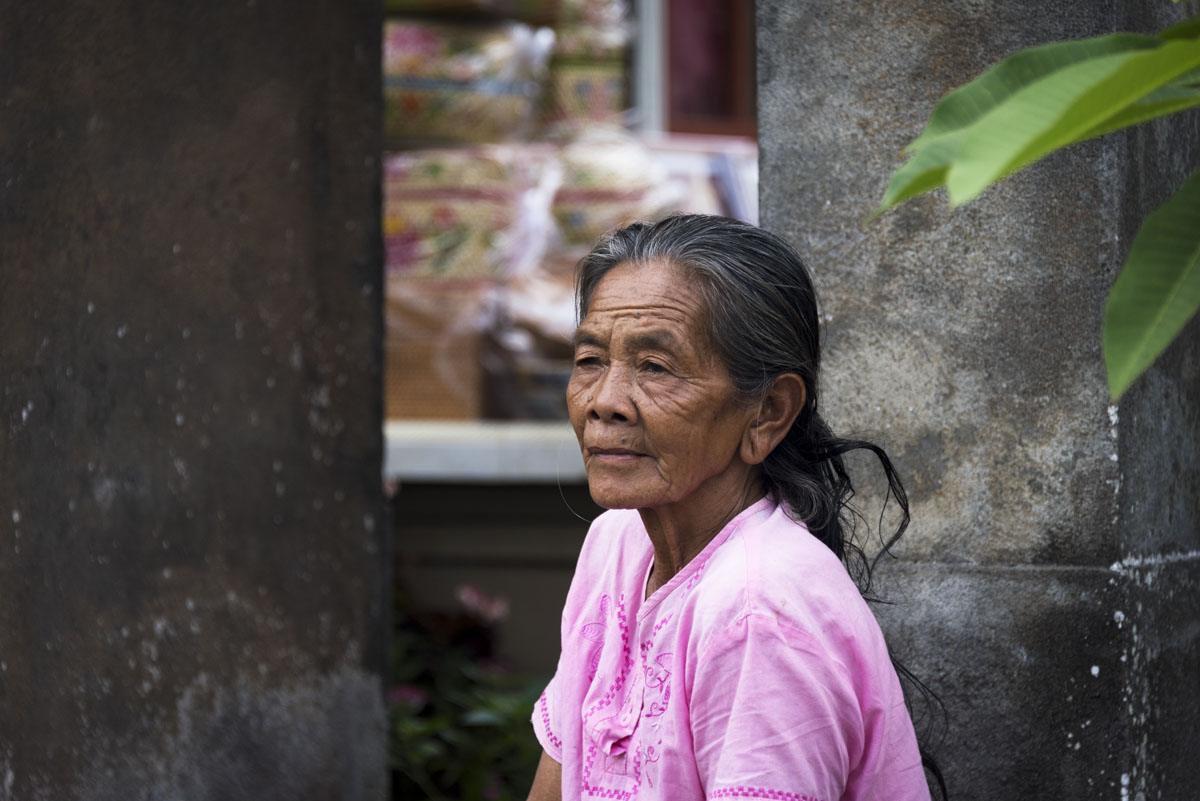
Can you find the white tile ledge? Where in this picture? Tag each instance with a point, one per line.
(481, 452)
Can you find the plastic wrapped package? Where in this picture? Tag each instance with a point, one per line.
(433, 350)
(528, 356)
(593, 13)
(457, 224)
(460, 83)
(468, 213)
(588, 81)
(524, 10)
(721, 172)
(610, 178)
(585, 90)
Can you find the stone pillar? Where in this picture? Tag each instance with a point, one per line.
(1049, 588)
(192, 546)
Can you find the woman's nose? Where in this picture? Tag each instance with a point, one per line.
(612, 401)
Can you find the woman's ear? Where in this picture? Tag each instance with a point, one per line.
(776, 413)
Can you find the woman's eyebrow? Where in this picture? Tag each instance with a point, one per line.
(583, 337)
(654, 339)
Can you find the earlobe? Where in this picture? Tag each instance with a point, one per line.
(749, 448)
(777, 412)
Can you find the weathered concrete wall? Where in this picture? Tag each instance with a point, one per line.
(192, 566)
(1050, 584)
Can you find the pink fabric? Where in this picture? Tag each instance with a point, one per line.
(756, 672)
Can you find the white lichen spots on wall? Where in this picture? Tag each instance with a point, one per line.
(176, 248)
(1095, 670)
(179, 419)
(186, 333)
(26, 410)
(1131, 565)
(104, 491)
(280, 489)
(122, 330)
(296, 357)
(91, 307)
(16, 516)
(1119, 618)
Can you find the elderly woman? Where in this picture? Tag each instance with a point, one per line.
(714, 644)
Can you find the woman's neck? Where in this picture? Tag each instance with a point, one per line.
(680, 531)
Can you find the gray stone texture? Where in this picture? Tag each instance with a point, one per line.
(1054, 536)
(193, 555)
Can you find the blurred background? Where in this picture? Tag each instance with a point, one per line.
(517, 132)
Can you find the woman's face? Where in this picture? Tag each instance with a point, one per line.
(653, 407)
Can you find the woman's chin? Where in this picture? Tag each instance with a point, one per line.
(617, 495)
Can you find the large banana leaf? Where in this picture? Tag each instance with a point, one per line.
(1158, 290)
(1059, 110)
(972, 101)
(980, 111)
(1178, 96)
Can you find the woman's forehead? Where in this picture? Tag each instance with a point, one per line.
(646, 287)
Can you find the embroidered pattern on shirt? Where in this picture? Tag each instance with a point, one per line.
(594, 633)
(760, 792)
(635, 761)
(550, 735)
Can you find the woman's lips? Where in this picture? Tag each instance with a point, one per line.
(614, 455)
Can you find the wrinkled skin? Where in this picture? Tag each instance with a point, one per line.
(646, 383)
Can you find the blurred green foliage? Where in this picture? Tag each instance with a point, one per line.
(458, 720)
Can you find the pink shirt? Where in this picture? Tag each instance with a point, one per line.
(757, 671)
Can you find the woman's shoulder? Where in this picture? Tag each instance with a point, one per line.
(611, 533)
(773, 567)
(611, 556)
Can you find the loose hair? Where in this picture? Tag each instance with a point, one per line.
(762, 320)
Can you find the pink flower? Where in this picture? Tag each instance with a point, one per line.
(415, 41)
(409, 695)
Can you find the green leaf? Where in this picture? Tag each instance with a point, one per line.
(926, 170)
(972, 101)
(1188, 29)
(1168, 100)
(1059, 110)
(1158, 289)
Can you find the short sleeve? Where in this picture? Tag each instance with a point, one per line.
(772, 715)
(545, 722)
